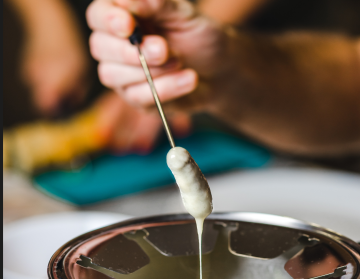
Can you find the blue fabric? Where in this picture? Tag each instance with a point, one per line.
(111, 176)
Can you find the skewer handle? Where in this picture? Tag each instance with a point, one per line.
(136, 39)
(137, 36)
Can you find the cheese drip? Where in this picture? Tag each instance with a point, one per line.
(194, 189)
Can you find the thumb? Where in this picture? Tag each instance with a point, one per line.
(200, 100)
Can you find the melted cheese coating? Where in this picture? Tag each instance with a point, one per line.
(194, 188)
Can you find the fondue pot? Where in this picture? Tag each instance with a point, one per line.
(235, 245)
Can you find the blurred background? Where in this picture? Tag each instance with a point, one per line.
(73, 147)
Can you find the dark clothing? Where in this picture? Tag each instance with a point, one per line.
(341, 16)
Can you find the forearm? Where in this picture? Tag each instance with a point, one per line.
(298, 93)
(229, 11)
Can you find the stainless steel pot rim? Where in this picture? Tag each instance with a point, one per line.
(250, 217)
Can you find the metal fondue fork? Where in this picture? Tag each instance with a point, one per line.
(136, 39)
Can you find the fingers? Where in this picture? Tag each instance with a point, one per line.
(56, 86)
(105, 47)
(102, 15)
(180, 124)
(145, 132)
(115, 17)
(142, 8)
(124, 128)
(169, 12)
(119, 67)
(169, 86)
(115, 75)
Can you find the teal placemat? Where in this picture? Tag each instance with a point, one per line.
(111, 176)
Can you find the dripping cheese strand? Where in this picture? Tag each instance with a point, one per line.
(194, 188)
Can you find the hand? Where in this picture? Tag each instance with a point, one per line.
(128, 129)
(262, 85)
(54, 59)
(229, 11)
(190, 48)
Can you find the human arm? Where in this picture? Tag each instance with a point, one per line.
(229, 11)
(295, 92)
(55, 59)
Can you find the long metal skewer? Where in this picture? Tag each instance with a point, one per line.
(155, 95)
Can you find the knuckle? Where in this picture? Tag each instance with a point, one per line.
(90, 14)
(127, 53)
(105, 75)
(119, 50)
(133, 95)
(94, 45)
(115, 50)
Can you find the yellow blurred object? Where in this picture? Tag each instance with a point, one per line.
(44, 143)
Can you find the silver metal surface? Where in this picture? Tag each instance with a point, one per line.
(236, 245)
(156, 97)
(340, 271)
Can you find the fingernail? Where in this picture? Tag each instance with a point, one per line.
(152, 50)
(185, 80)
(117, 25)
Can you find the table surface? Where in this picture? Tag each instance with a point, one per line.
(328, 198)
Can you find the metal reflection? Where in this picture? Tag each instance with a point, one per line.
(340, 271)
(222, 261)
